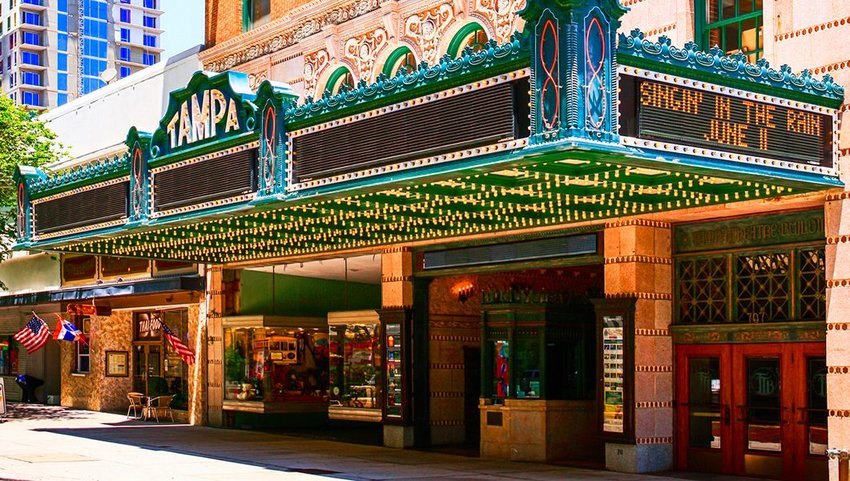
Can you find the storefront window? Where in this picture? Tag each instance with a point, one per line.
(8, 356)
(276, 364)
(355, 365)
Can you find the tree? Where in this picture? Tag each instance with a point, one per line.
(24, 140)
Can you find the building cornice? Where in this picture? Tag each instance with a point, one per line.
(284, 32)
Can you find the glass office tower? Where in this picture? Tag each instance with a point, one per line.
(54, 51)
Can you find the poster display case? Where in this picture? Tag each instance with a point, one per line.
(396, 404)
(275, 364)
(615, 328)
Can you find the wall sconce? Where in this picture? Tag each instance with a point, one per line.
(463, 290)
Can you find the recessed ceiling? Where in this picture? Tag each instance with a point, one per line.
(365, 269)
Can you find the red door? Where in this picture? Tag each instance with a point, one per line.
(752, 409)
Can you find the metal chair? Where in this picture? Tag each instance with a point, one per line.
(136, 405)
(157, 405)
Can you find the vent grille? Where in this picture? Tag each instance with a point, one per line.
(90, 207)
(211, 179)
(576, 245)
(472, 119)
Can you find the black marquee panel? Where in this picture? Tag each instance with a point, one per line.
(675, 114)
(211, 179)
(89, 207)
(472, 119)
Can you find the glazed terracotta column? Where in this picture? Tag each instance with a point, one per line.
(210, 329)
(639, 265)
(837, 224)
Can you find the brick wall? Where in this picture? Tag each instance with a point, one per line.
(224, 20)
(224, 17)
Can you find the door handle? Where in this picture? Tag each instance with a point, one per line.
(742, 414)
(726, 415)
(803, 418)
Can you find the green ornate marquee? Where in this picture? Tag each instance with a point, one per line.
(529, 134)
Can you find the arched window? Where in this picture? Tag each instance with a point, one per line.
(470, 35)
(340, 78)
(401, 59)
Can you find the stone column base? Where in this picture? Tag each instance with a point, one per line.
(638, 458)
(398, 436)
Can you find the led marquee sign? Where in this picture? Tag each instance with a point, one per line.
(675, 114)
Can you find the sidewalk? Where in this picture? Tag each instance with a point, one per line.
(53, 443)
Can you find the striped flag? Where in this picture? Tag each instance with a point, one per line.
(34, 335)
(185, 353)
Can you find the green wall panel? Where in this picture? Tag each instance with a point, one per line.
(303, 296)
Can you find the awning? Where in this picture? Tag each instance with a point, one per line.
(151, 286)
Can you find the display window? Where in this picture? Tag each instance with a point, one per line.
(355, 368)
(276, 364)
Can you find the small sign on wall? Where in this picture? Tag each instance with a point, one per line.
(2, 398)
(117, 364)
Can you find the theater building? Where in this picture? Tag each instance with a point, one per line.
(528, 229)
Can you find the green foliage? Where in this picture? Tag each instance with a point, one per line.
(234, 365)
(24, 140)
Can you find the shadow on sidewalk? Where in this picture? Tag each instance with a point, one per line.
(224, 445)
(36, 412)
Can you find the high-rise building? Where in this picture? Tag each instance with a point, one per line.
(56, 50)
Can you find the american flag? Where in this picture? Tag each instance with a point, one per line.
(34, 335)
(185, 353)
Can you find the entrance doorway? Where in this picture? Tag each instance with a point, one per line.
(753, 409)
(148, 366)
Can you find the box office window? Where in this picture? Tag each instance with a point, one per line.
(752, 286)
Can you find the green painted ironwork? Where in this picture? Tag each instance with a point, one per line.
(471, 66)
(88, 174)
(459, 41)
(734, 71)
(397, 61)
(704, 24)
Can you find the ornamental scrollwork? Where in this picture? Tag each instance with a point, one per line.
(363, 50)
(296, 34)
(315, 64)
(501, 14)
(427, 27)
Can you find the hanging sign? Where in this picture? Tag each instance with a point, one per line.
(729, 122)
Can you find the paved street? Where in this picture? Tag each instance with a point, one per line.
(52, 443)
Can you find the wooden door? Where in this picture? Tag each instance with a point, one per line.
(753, 410)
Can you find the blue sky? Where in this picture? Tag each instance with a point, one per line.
(183, 22)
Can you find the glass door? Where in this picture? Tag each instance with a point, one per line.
(761, 409)
(147, 370)
(704, 409)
